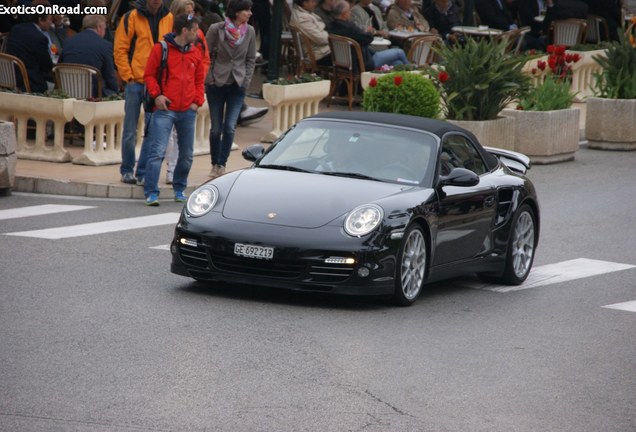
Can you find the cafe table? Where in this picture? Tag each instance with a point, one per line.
(477, 31)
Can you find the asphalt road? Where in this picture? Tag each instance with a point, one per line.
(97, 335)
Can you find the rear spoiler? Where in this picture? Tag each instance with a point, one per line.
(515, 161)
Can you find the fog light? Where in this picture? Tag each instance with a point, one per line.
(188, 242)
(364, 272)
(173, 248)
(340, 260)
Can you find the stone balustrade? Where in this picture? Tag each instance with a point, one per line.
(582, 72)
(49, 115)
(102, 121)
(291, 103)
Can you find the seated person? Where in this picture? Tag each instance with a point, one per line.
(89, 48)
(528, 10)
(302, 16)
(495, 14)
(30, 43)
(563, 9)
(325, 10)
(402, 15)
(442, 16)
(342, 154)
(368, 18)
(343, 26)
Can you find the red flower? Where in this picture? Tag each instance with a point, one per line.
(443, 76)
(541, 65)
(550, 49)
(532, 52)
(533, 71)
(373, 82)
(576, 57)
(552, 62)
(559, 50)
(397, 80)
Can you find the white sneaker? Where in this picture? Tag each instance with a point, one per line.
(234, 146)
(251, 115)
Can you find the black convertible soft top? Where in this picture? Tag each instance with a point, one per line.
(436, 127)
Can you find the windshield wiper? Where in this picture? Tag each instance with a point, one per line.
(283, 167)
(351, 174)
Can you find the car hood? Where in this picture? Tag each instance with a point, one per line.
(303, 200)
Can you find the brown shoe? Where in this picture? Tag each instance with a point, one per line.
(214, 172)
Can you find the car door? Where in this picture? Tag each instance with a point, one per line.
(465, 214)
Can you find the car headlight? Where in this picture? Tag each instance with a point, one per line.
(202, 200)
(363, 219)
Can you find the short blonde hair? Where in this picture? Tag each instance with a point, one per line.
(178, 7)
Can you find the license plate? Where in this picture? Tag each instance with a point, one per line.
(253, 251)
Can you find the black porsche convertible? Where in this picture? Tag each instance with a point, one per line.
(363, 203)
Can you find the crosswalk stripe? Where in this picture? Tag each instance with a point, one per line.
(629, 306)
(556, 273)
(161, 247)
(39, 210)
(101, 227)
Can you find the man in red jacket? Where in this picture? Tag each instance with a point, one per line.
(177, 98)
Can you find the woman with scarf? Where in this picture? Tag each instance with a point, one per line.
(232, 45)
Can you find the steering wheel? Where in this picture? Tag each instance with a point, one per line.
(397, 170)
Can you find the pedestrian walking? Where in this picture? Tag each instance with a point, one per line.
(232, 45)
(177, 97)
(138, 30)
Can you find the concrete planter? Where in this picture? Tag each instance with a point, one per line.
(22, 107)
(103, 125)
(546, 136)
(610, 124)
(499, 133)
(8, 157)
(291, 103)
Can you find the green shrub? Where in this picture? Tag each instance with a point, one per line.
(480, 79)
(402, 93)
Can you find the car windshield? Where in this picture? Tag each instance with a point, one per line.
(358, 150)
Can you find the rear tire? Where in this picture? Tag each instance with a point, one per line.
(411, 267)
(521, 247)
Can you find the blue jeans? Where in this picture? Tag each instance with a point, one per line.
(226, 100)
(391, 57)
(161, 124)
(132, 108)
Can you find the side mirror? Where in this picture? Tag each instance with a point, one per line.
(460, 177)
(253, 152)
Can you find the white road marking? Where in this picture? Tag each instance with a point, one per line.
(629, 306)
(39, 210)
(556, 273)
(101, 227)
(161, 247)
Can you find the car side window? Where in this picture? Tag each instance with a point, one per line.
(459, 152)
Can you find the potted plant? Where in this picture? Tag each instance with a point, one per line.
(609, 121)
(547, 127)
(293, 99)
(403, 93)
(102, 119)
(479, 80)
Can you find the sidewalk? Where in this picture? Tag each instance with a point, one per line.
(104, 181)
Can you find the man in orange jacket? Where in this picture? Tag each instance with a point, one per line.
(177, 98)
(137, 33)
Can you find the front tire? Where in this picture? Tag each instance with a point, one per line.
(411, 261)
